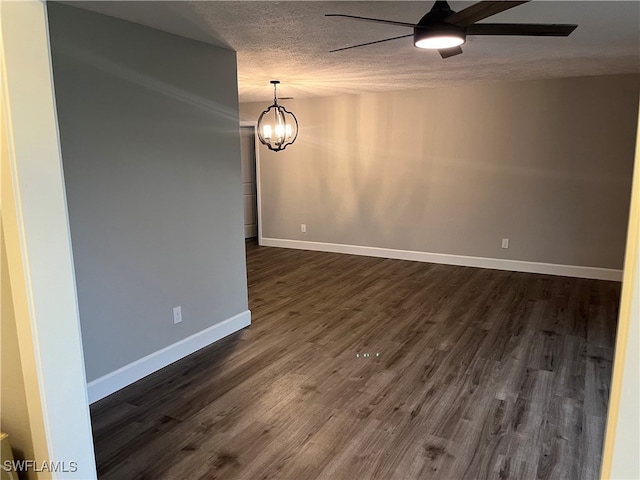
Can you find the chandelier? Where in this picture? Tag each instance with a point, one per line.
(277, 127)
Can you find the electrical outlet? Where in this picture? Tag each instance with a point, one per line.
(505, 243)
(303, 227)
(177, 315)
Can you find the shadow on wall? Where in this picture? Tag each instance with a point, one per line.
(111, 67)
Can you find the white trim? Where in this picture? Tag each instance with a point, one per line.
(621, 442)
(258, 194)
(462, 260)
(120, 378)
(39, 245)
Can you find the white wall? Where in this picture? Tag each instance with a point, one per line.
(150, 144)
(454, 170)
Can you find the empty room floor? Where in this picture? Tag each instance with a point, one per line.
(368, 368)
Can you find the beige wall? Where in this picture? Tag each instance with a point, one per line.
(546, 163)
(14, 415)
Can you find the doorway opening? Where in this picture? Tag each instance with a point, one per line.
(250, 181)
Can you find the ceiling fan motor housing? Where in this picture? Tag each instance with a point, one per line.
(439, 30)
(434, 25)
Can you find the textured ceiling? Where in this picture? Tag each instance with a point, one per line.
(290, 41)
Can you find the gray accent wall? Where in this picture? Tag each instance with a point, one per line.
(151, 154)
(547, 164)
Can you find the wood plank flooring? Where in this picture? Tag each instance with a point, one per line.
(366, 368)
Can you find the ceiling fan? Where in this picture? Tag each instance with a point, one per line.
(444, 30)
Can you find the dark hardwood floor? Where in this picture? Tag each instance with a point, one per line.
(365, 368)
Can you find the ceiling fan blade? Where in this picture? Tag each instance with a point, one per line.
(373, 20)
(529, 29)
(450, 52)
(479, 11)
(371, 43)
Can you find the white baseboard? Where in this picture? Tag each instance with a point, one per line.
(120, 378)
(462, 260)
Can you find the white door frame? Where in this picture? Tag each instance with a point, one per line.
(619, 455)
(258, 196)
(36, 227)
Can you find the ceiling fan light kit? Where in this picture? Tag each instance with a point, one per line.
(277, 127)
(444, 30)
(439, 37)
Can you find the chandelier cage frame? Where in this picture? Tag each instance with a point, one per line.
(277, 127)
